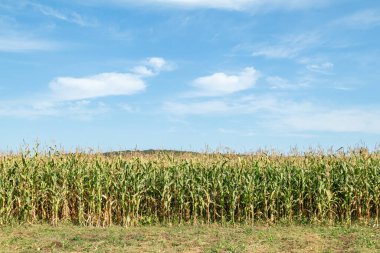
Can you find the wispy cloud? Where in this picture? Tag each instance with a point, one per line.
(242, 105)
(323, 68)
(220, 84)
(289, 46)
(68, 16)
(128, 108)
(276, 82)
(236, 5)
(285, 114)
(198, 108)
(5, 6)
(236, 132)
(31, 109)
(361, 19)
(19, 43)
(15, 38)
(366, 120)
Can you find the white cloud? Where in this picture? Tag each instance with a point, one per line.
(153, 66)
(157, 63)
(361, 19)
(100, 85)
(143, 71)
(237, 5)
(220, 84)
(71, 96)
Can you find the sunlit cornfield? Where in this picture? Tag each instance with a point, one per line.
(166, 188)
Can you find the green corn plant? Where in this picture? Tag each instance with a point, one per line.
(189, 188)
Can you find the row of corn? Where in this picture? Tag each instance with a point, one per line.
(128, 190)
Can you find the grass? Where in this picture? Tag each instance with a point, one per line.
(201, 238)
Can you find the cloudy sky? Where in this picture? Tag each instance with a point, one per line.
(190, 74)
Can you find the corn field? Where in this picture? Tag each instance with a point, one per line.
(136, 189)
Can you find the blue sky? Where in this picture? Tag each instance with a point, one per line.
(190, 74)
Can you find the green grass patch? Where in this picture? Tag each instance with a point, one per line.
(202, 238)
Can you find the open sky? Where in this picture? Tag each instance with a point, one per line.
(190, 74)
